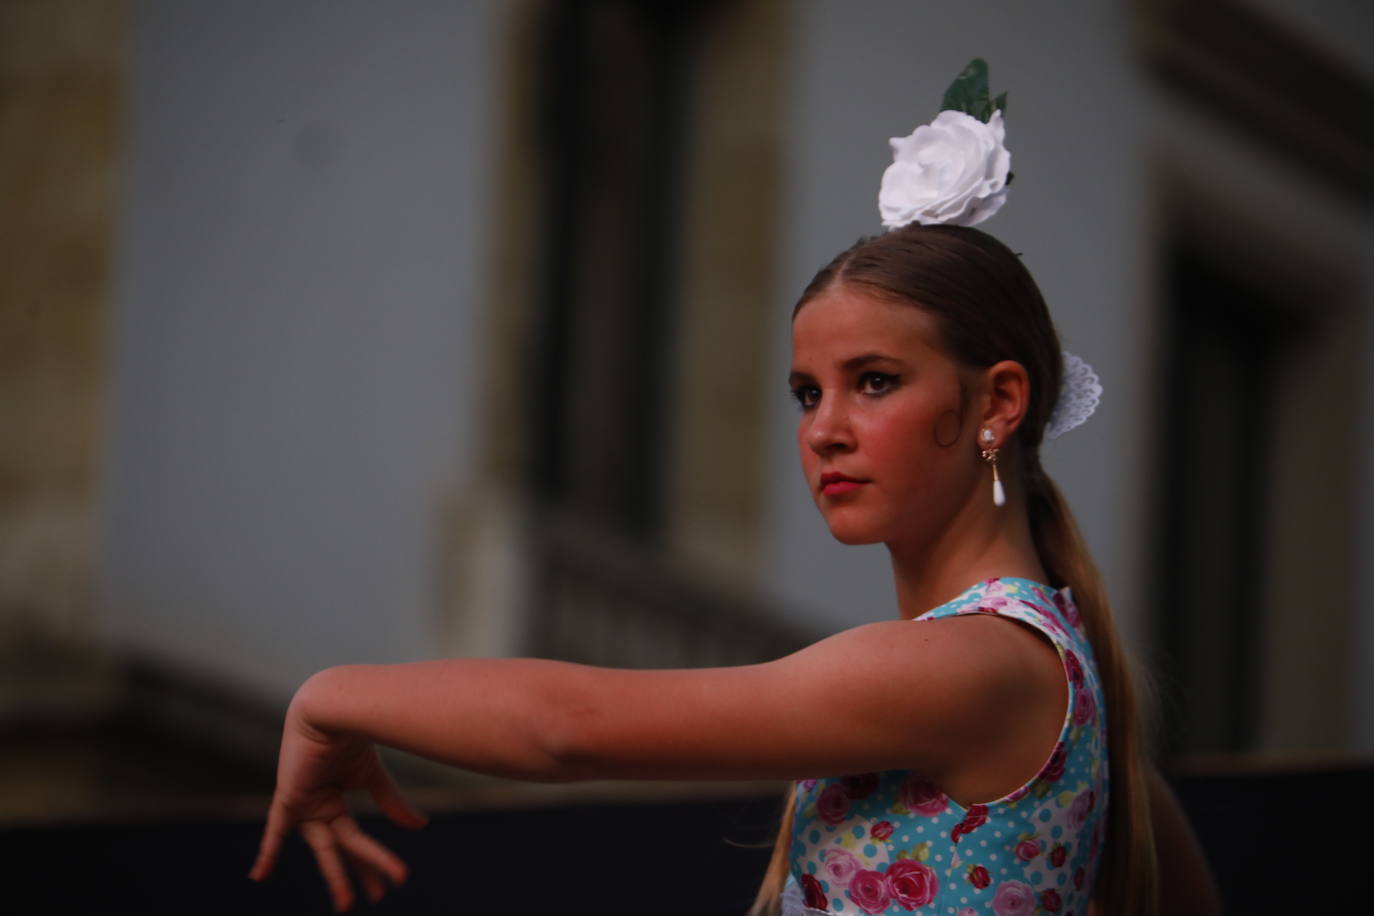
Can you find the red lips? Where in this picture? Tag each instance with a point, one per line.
(833, 483)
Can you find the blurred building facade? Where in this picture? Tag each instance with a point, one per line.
(344, 332)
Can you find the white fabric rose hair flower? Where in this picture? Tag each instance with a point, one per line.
(953, 170)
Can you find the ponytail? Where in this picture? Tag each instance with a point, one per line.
(1126, 881)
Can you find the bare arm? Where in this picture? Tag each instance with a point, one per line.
(887, 695)
(1186, 885)
(931, 696)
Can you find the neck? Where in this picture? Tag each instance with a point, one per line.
(983, 542)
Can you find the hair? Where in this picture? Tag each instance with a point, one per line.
(988, 309)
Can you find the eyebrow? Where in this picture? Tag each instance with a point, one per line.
(849, 365)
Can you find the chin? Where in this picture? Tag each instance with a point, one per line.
(853, 535)
(857, 541)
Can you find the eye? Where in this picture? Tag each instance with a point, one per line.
(877, 383)
(806, 396)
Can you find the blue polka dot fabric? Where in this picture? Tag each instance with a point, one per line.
(893, 842)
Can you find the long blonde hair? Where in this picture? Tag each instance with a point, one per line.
(989, 309)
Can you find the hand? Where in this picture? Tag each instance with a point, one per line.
(314, 770)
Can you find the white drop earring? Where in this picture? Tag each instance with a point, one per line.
(999, 496)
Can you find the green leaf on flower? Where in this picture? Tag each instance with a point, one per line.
(918, 853)
(969, 93)
(968, 87)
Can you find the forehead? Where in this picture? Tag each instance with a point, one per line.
(842, 322)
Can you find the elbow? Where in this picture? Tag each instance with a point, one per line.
(565, 723)
(570, 737)
(565, 748)
(552, 756)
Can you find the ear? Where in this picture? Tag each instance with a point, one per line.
(1006, 394)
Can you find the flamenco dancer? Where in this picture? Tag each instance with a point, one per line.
(980, 753)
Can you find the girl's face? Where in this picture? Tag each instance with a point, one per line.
(884, 441)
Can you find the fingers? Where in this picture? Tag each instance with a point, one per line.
(338, 843)
(262, 865)
(367, 852)
(270, 846)
(374, 864)
(392, 803)
(374, 883)
(322, 842)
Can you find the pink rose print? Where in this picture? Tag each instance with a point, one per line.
(1054, 767)
(860, 786)
(881, 830)
(833, 804)
(1058, 855)
(841, 866)
(812, 895)
(1078, 878)
(807, 785)
(1027, 850)
(1080, 809)
(1051, 623)
(1073, 666)
(922, 796)
(1014, 899)
(911, 884)
(1084, 707)
(869, 890)
(976, 817)
(978, 876)
(1067, 608)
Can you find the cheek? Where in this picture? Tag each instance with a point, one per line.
(896, 443)
(910, 454)
(808, 458)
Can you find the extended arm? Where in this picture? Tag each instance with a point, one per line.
(928, 696)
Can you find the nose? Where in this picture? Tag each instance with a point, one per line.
(830, 430)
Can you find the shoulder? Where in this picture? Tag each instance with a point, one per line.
(936, 696)
(989, 649)
(955, 685)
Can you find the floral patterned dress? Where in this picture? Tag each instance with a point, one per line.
(893, 843)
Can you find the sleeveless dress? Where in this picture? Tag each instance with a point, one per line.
(893, 843)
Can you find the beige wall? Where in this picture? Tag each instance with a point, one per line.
(61, 107)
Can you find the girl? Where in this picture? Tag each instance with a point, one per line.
(979, 754)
